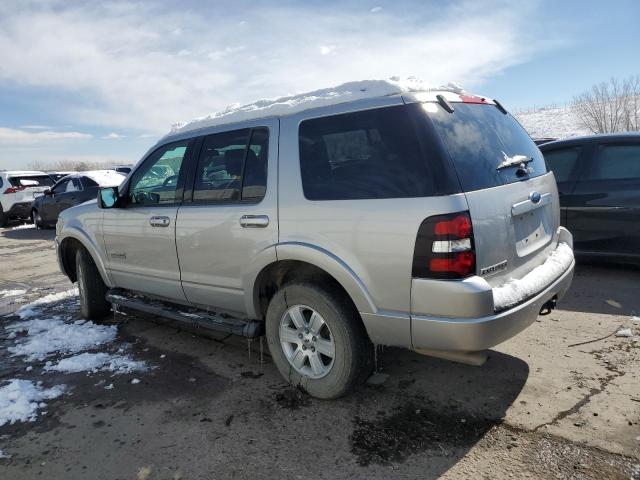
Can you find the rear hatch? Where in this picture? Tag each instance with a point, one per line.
(29, 186)
(513, 201)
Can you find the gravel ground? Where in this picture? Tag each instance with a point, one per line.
(214, 406)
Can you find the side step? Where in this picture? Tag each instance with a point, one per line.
(194, 316)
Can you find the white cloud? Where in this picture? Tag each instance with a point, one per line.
(13, 136)
(113, 136)
(376, 9)
(36, 127)
(145, 65)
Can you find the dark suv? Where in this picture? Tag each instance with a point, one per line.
(599, 185)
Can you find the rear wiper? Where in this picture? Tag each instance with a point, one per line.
(515, 161)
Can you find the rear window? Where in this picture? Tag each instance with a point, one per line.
(43, 180)
(363, 155)
(479, 137)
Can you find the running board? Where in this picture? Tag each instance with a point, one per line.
(194, 316)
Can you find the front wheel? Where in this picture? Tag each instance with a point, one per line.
(93, 304)
(317, 340)
(36, 219)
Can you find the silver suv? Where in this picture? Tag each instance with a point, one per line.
(425, 220)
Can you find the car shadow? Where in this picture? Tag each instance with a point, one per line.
(432, 407)
(27, 233)
(603, 289)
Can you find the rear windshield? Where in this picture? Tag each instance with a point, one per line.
(43, 180)
(479, 138)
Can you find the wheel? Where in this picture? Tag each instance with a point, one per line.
(317, 340)
(93, 304)
(36, 219)
(3, 219)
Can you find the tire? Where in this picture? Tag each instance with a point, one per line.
(353, 351)
(3, 219)
(93, 305)
(36, 219)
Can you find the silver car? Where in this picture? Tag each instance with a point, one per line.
(424, 220)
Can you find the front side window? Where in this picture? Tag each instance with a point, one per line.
(73, 185)
(363, 155)
(156, 182)
(616, 162)
(562, 162)
(232, 166)
(62, 186)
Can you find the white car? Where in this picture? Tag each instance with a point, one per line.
(17, 191)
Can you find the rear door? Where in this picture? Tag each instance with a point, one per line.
(605, 216)
(230, 214)
(140, 237)
(567, 164)
(512, 199)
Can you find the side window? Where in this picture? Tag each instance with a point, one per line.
(73, 185)
(232, 166)
(562, 162)
(616, 162)
(156, 181)
(61, 187)
(88, 182)
(369, 154)
(1, 182)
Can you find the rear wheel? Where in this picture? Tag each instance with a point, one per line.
(93, 304)
(36, 218)
(317, 340)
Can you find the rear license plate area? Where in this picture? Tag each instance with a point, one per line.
(532, 230)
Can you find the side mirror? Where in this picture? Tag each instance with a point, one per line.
(108, 197)
(48, 192)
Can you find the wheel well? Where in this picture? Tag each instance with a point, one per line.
(277, 274)
(68, 250)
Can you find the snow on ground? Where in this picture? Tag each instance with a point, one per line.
(94, 362)
(516, 290)
(20, 400)
(554, 121)
(11, 293)
(53, 335)
(288, 105)
(23, 226)
(624, 332)
(36, 307)
(4, 455)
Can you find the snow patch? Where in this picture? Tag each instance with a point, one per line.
(624, 332)
(23, 226)
(51, 335)
(35, 308)
(288, 105)
(11, 293)
(4, 455)
(516, 290)
(20, 400)
(94, 362)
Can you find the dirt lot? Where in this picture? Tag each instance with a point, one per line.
(209, 408)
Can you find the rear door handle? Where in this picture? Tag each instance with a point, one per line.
(159, 221)
(254, 221)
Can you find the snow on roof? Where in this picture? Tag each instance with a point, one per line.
(104, 178)
(23, 173)
(347, 92)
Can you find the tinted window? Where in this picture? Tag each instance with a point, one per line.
(156, 181)
(219, 172)
(88, 182)
(43, 180)
(73, 185)
(254, 180)
(478, 138)
(616, 162)
(369, 154)
(562, 162)
(62, 186)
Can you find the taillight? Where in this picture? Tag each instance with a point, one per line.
(12, 190)
(444, 247)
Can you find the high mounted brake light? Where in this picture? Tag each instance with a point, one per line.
(444, 247)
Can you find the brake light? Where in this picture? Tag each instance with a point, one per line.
(13, 189)
(444, 247)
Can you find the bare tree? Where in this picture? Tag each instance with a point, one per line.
(610, 106)
(68, 165)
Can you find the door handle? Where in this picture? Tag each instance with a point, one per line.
(159, 221)
(254, 221)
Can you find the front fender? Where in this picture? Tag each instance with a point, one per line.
(74, 232)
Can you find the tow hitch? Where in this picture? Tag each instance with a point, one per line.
(548, 306)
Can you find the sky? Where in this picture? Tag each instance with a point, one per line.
(102, 81)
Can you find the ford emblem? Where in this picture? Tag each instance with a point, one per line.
(534, 197)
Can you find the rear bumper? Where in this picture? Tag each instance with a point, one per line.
(479, 333)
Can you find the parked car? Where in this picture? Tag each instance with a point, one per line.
(599, 183)
(542, 140)
(17, 191)
(69, 191)
(123, 169)
(58, 175)
(424, 220)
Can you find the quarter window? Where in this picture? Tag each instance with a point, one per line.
(363, 155)
(156, 182)
(616, 162)
(562, 162)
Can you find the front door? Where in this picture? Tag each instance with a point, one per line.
(230, 216)
(140, 237)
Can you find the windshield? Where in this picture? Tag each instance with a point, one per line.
(480, 138)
